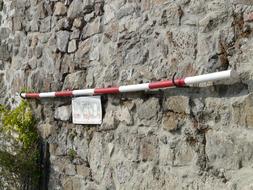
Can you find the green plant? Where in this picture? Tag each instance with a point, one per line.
(72, 154)
(19, 147)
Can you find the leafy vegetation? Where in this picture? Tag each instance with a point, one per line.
(72, 154)
(19, 150)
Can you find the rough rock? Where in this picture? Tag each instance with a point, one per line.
(62, 40)
(72, 46)
(60, 9)
(92, 28)
(75, 80)
(63, 113)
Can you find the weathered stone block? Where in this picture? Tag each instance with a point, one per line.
(177, 104)
(63, 113)
(5, 53)
(170, 122)
(92, 28)
(78, 22)
(123, 115)
(60, 9)
(148, 149)
(83, 171)
(62, 38)
(75, 80)
(148, 109)
(45, 24)
(72, 46)
(4, 33)
(78, 7)
(229, 150)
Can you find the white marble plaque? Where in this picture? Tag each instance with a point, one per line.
(87, 110)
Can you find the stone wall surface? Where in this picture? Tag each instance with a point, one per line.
(183, 138)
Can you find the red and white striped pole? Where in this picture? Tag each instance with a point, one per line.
(136, 87)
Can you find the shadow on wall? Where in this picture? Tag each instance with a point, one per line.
(221, 90)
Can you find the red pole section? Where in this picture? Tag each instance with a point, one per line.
(136, 87)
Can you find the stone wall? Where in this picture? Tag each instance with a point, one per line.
(184, 138)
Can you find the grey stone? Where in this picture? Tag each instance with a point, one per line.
(137, 56)
(123, 172)
(75, 34)
(75, 80)
(78, 7)
(45, 24)
(60, 9)
(17, 24)
(78, 22)
(109, 13)
(177, 104)
(38, 52)
(63, 113)
(3, 88)
(5, 53)
(72, 46)
(35, 25)
(123, 115)
(92, 28)
(5, 32)
(83, 171)
(62, 38)
(149, 109)
(124, 11)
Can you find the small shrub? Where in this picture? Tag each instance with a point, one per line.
(19, 147)
(72, 154)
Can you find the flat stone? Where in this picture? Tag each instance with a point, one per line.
(72, 46)
(94, 54)
(17, 24)
(75, 34)
(178, 104)
(211, 21)
(148, 109)
(34, 25)
(63, 113)
(60, 9)
(84, 48)
(169, 122)
(78, 6)
(109, 14)
(69, 169)
(78, 22)
(5, 54)
(124, 11)
(83, 170)
(75, 8)
(48, 130)
(45, 24)
(75, 80)
(4, 33)
(62, 38)
(148, 150)
(92, 28)
(124, 115)
(123, 172)
(229, 149)
(2, 87)
(38, 51)
(68, 185)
